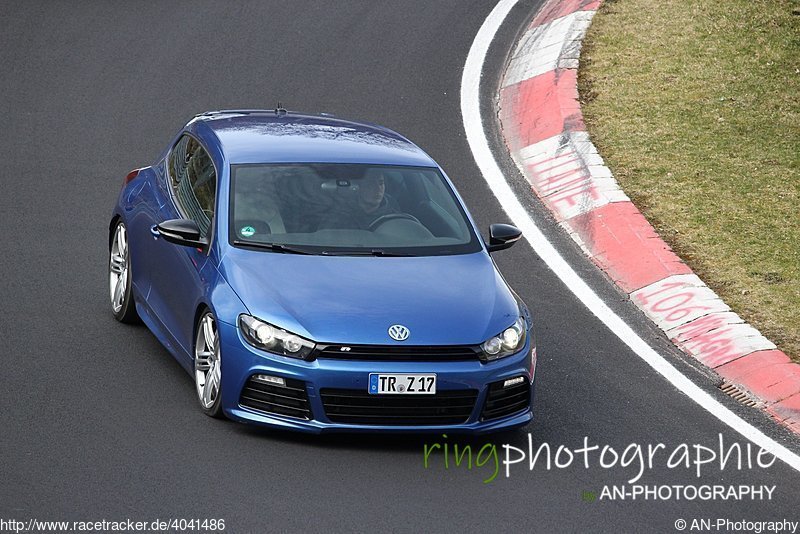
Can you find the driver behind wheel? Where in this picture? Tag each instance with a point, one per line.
(370, 204)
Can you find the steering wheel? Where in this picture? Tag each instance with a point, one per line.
(390, 217)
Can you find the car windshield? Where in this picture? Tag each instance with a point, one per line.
(348, 209)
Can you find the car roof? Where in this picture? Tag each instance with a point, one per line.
(278, 136)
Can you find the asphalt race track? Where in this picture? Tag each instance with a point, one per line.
(99, 422)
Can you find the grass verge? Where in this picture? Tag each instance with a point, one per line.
(695, 107)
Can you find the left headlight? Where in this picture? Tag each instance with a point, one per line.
(507, 342)
(272, 339)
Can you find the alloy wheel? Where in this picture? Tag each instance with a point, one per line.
(207, 362)
(119, 264)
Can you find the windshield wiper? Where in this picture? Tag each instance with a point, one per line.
(370, 252)
(275, 247)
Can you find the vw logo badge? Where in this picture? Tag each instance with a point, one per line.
(399, 332)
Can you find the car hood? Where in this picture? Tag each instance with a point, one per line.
(443, 300)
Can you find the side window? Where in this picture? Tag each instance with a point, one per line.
(193, 181)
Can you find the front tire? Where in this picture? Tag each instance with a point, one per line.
(207, 366)
(119, 277)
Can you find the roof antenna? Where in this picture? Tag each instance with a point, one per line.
(280, 110)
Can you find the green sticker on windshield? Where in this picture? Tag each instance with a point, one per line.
(247, 231)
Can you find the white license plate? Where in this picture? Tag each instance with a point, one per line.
(414, 384)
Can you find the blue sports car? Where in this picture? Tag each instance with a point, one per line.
(318, 274)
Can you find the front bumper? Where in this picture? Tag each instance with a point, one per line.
(240, 361)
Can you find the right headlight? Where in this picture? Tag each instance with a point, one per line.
(276, 340)
(507, 342)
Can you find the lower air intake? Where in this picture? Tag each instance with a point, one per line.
(502, 401)
(359, 407)
(290, 399)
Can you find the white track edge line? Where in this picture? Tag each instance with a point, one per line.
(476, 137)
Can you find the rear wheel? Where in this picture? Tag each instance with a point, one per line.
(119, 277)
(207, 369)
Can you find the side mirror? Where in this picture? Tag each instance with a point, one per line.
(183, 232)
(502, 236)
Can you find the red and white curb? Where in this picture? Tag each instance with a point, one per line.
(543, 127)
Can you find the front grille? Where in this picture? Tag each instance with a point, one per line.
(359, 407)
(501, 401)
(398, 353)
(290, 400)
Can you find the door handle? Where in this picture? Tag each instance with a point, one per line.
(154, 231)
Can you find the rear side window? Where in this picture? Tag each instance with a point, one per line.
(193, 181)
